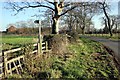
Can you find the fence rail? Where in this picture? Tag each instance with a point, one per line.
(8, 66)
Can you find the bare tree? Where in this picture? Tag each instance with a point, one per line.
(110, 21)
(80, 17)
(116, 23)
(58, 8)
(70, 20)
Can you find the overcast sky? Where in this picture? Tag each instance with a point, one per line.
(6, 16)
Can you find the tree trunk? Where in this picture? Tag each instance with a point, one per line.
(55, 26)
(83, 31)
(56, 17)
(111, 33)
(109, 26)
(108, 19)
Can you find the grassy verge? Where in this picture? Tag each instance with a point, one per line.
(85, 60)
(114, 37)
(89, 60)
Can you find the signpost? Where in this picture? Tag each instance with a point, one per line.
(38, 22)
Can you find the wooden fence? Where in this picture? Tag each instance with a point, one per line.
(8, 66)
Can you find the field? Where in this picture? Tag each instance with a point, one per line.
(13, 41)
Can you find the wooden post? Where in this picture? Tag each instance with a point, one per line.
(1, 70)
(39, 37)
(40, 46)
(4, 63)
(46, 46)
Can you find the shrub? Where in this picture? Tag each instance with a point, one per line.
(57, 43)
(74, 36)
(38, 66)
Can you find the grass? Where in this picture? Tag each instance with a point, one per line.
(17, 40)
(85, 60)
(12, 41)
(89, 60)
(114, 37)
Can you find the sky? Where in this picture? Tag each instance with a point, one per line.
(7, 16)
(97, 18)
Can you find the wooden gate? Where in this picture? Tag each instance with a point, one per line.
(8, 66)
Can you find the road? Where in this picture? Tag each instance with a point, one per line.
(111, 44)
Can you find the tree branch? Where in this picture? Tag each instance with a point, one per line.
(67, 11)
(41, 6)
(18, 8)
(66, 5)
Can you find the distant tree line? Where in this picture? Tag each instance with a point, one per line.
(27, 30)
(103, 31)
